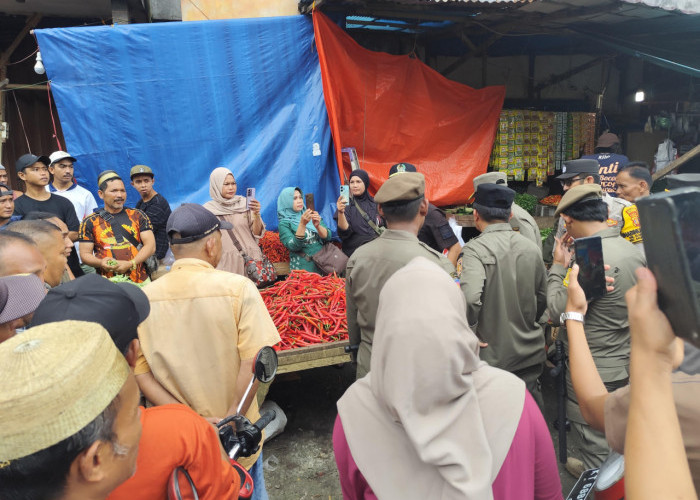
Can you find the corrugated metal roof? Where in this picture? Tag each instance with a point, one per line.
(685, 6)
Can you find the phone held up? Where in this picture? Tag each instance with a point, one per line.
(249, 195)
(310, 202)
(345, 193)
(670, 224)
(591, 274)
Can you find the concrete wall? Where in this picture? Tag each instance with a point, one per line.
(199, 10)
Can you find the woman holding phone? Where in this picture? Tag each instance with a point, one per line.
(301, 229)
(248, 226)
(358, 219)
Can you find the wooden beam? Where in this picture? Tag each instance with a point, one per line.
(676, 163)
(554, 79)
(481, 49)
(29, 25)
(307, 9)
(26, 86)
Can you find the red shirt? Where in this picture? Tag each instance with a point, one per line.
(175, 436)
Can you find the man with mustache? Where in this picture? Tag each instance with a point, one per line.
(116, 240)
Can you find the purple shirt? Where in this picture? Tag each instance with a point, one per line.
(529, 471)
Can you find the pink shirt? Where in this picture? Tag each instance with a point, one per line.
(529, 471)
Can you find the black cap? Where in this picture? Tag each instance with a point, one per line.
(493, 196)
(401, 168)
(193, 222)
(28, 160)
(118, 307)
(572, 168)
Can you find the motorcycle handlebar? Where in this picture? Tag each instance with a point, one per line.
(265, 419)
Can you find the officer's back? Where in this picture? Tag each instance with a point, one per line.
(401, 202)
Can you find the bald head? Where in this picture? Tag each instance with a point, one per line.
(20, 255)
(49, 240)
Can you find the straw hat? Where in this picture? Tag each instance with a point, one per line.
(56, 379)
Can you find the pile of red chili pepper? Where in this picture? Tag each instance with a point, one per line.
(551, 200)
(273, 248)
(307, 309)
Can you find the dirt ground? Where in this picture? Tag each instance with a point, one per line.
(299, 463)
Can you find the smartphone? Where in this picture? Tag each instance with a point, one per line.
(670, 224)
(249, 195)
(591, 274)
(350, 160)
(310, 202)
(345, 193)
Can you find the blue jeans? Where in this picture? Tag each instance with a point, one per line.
(256, 473)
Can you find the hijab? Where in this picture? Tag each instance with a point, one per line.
(285, 208)
(218, 204)
(430, 420)
(365, 201)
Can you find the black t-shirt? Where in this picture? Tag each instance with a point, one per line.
(56, 204)
(158, 211)
(436, 231)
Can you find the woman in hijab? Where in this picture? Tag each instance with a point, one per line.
(301, 230)
(248, 226)
(353, 228)
(431, 420)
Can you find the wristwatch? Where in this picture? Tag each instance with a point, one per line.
(575, 316)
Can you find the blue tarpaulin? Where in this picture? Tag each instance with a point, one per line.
(185, 98)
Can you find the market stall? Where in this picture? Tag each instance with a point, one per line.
(309, 313)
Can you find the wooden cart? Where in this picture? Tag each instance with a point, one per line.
(303, 358)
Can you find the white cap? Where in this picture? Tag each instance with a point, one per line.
(60, 155)
(2, 167)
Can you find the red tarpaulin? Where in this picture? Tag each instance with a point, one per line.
(395, 109)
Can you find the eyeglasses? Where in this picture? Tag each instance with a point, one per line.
(569, 182)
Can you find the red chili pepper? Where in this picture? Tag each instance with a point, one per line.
(307, 309)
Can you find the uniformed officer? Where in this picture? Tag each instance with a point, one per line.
(607, 329)
(401, 202)
(521, 221)
(436, 231)
(579, 172)
(504, 281)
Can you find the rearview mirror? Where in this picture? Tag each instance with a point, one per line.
(265, 366)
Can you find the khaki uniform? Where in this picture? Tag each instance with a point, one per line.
(607, 330)
(525, 224)
(616, 218)
(504, 281)
(368, 269)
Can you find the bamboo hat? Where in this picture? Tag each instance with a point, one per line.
(57, 378)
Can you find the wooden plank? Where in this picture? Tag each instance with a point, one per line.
(304, 358)
(676, 163)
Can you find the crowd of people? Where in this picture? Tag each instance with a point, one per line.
(108, 388)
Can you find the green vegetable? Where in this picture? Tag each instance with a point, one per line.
(465, 210)
(526, 201)
(122, 278)
(544, 233)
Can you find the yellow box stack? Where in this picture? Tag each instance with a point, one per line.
(531, 145)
